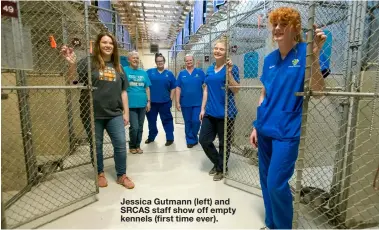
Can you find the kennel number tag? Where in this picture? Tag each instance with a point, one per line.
(9, 8)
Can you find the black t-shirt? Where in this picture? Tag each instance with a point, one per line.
(107, 102)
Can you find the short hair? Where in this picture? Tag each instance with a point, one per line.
(159, 55)
(288, 15)
(189, 55)
(132, 53)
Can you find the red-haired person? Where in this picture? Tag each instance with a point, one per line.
(110, 102)
(276, 130)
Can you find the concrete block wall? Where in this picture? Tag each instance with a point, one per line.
(363, 202)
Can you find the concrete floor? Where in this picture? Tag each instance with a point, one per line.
(173, 172)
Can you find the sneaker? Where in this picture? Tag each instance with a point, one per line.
(133, 151)
(125, 181)
(139, 151)
(102, 180)
(212, 172)
(168, 143)
(218, 176)
(265, 228)
(148, 141)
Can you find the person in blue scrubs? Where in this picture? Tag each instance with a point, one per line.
(212, 113)
(276, 130)
(139, 101)
(189, 95)
(162, 90)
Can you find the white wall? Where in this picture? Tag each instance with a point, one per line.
(147, 58)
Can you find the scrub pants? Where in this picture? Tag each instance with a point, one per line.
(276, 166)
(211, 127)
(191, 123)
(164, 111)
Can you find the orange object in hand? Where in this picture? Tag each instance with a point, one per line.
(259, 21)
(53, 44)
(90, 47)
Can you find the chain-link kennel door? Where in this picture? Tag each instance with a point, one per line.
(249, 42)
(340, 145)
(178, 65)
(46, 157)
(339, 153)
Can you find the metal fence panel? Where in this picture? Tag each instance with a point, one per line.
(247, 47)
(339, 151)
(40, 169)
(46, 157)
(339, 155)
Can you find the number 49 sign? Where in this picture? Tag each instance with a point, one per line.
(9, 8)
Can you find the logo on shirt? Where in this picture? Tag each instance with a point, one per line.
(197, 75)
(136, 80)
(270, 67)
(166, 75)
(109, 74)
(295, 63)
(137, 84)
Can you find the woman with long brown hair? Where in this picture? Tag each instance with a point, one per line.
(110, 101)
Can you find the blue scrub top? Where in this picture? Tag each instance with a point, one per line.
(191, 86)
(215, 82)
(138, 82)
(161, 85)
(279, 115)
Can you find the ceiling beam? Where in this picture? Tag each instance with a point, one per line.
(150, 13)
(160, 8)
(158, 2)
(139, 15)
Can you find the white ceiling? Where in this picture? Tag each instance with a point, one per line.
(153, 21)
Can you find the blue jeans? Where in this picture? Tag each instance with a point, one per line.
(137, 118)
(116, 131)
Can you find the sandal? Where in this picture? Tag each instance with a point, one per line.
(125, 181)
(140, 151)
(133, 151)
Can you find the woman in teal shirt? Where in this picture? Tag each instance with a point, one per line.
(139, 100)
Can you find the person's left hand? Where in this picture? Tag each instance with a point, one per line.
(229, 65)
(319, 40)
(126, 119)
(148, 107)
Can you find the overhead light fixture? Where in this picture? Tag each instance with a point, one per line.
(156, 27)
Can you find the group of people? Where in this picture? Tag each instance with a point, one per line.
(127, 94)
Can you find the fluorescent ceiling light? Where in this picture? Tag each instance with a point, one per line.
(155, 27)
